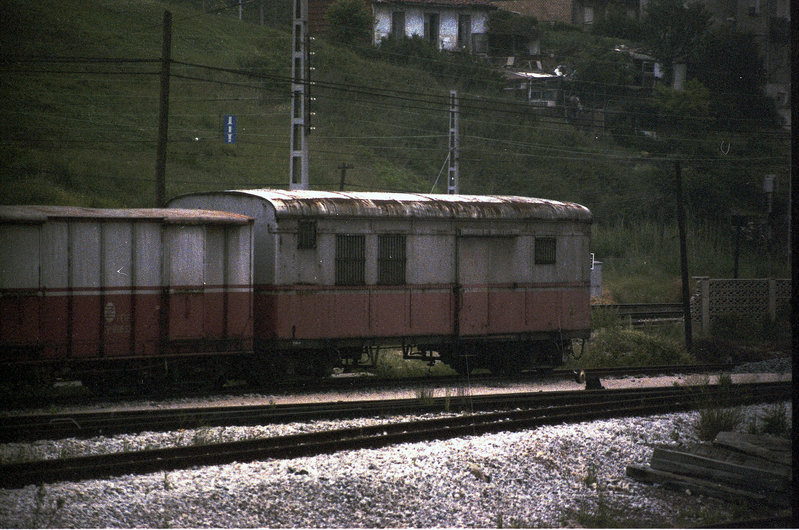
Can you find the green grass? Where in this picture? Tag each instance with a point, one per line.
(641, 262)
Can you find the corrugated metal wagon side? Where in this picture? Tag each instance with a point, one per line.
(492, 281)
(99, 292)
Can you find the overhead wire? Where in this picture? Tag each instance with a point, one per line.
(428, 101)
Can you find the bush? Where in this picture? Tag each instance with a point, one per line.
(617, 346)
(350, 22)
(391, 365)
(774, 422)
(713, 420)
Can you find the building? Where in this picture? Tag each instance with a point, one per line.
(451, 25)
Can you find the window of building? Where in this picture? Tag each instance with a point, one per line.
(306, 234)
(391, 259)
(431, 28)
(464, 32)
(398, 24)
(545, 248)
(350, 259)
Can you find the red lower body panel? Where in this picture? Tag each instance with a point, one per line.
(123, 322)
(312, 313)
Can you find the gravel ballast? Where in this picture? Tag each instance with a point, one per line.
(541, 477)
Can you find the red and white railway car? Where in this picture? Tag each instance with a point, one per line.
(476, 281)
(102, 291)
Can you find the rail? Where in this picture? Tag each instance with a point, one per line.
(641, 312)
(608, 404)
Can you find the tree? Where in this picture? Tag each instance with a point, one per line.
(601, 72)
(729, 65)
(686, 112)
(509, 32)
(350, 22)
(674, 31)
(617, 23)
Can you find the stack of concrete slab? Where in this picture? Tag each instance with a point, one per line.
(734, 466)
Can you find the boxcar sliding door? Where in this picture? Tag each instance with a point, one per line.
(485, 285)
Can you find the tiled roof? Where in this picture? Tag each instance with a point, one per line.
(445, 3)
(543, 10)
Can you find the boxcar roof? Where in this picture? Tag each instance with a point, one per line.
(306, 203)
(41, 214)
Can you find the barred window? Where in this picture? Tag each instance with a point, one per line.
(306, 234)
(545, 250)
(391, 259)
(350, 259)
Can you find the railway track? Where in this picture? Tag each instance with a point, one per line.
(642, 312)
(343, 384)
(87, 424)
(567, 407)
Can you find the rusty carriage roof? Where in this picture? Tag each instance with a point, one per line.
(307, 203)
(44, 213)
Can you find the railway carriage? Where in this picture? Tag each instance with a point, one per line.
(497, 282)
(103, 293)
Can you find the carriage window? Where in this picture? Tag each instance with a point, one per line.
(306, 235)
(350, 259)
(545, 250)
(391, 259)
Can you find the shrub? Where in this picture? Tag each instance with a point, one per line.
(350, 22)
(618, 346)
(713, 420)
(715, 415)
(604, 318)
(774, 422)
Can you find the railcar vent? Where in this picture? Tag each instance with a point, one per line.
(545, 250)
(306, 235)
(391, 259)
(350, 259)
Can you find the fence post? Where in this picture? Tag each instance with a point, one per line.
(772, 300)
(702, 304)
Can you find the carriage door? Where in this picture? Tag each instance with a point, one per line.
(484, 265)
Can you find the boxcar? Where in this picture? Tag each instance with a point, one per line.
(475, 281)
(99, 292)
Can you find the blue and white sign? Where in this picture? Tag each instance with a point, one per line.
(230, 129)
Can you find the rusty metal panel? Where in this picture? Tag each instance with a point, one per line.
(264, 240)
(185, 248)
(216, 264)
(84, 254)
(431, 259)
(19, 256)
(148, 255)
(55, 255)
(239, 255)
(117, 265)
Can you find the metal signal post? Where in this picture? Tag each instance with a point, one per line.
(454, 144)
(300, 108)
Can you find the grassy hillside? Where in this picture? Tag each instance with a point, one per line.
(82, 129)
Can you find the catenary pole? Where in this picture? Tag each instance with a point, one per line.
(686, 292)
(163, 112)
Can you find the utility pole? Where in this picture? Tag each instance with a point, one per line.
(769, 183)
(343, 167)
(454, 145)
(298, 169)
(686, 292)
(163, 112)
